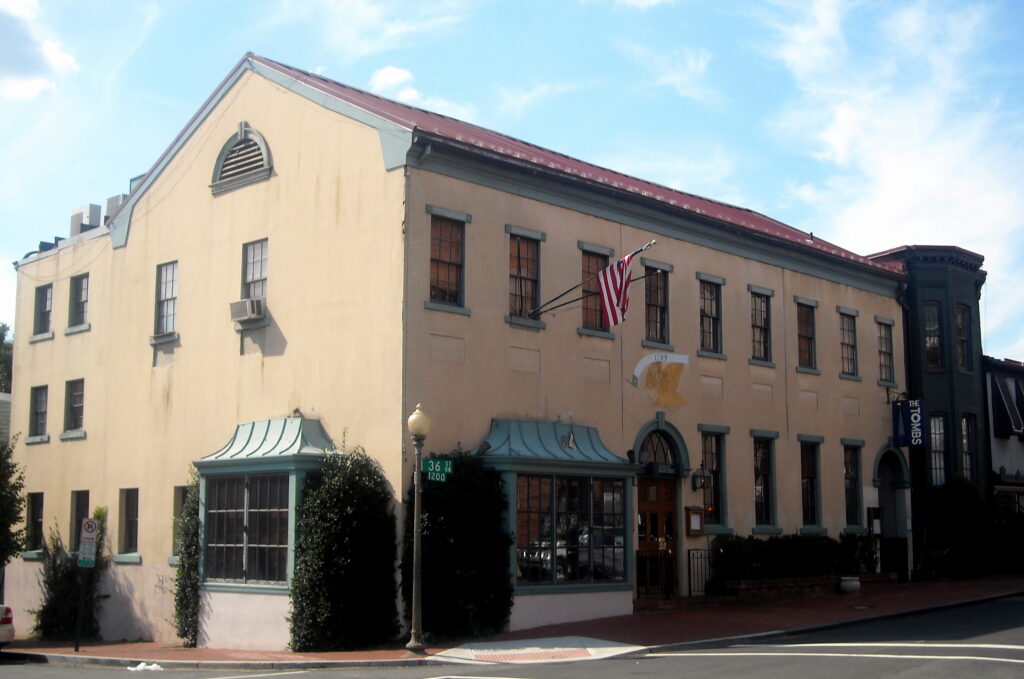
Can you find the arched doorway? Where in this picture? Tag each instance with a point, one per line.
(892, 479)
(656, 516)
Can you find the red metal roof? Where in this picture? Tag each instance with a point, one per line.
(467, 134)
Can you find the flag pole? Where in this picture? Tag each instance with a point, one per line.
(537, 311)
(580, 299)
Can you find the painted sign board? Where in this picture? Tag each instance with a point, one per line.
(437, 469)
(87, 543)
(908, 423)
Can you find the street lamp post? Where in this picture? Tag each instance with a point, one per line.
(419, 427)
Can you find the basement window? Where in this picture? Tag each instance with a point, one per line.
(244, 159)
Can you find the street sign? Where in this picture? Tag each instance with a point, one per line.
(87, 543)
(437, 469)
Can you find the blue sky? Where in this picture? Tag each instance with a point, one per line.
(872, 123)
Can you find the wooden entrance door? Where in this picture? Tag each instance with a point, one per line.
(656, 533)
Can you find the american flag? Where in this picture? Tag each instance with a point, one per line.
(614, 282)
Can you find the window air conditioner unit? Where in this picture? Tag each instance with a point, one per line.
(247, 310)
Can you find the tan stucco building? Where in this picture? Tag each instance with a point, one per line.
(393, 257)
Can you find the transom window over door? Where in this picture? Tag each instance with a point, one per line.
(658, 449)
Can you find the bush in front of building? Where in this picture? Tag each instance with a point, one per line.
(788, 556)
(466, 576)
(62, 581)
(343, 591)
(186, 581)
(12, 503)
(955, 542)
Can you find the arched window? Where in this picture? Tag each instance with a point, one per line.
(244, 159)
(657, 447)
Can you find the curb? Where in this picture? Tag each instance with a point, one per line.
(64, 659)
(725, 641)
(103, 661)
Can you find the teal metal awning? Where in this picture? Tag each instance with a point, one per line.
(275, 441)
(523, 444)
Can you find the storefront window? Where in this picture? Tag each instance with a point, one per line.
(584, 517)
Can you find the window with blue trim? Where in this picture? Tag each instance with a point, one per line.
(247, 528)
(570, 530)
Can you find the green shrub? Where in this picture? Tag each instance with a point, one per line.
(788, 556)
(12, 502)
(955, 542)
(186, 581)
(343, 591)
(466, 576)
(61, 582)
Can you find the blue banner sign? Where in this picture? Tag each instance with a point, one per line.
(908, 423)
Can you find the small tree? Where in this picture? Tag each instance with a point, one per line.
(343, 591)
(466, 573)
(186, 582)
(6, 358)
(61, 582)
(12, 503)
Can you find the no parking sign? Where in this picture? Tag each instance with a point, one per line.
(87, 543)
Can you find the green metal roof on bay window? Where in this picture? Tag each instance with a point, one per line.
(286, 440)
(534, 444)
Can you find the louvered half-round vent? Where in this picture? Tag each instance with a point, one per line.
(244, 159)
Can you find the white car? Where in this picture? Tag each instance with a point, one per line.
(6, 625)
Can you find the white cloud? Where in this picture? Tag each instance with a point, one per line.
(396, 83)
(24, 88)
(683, 70)
(30, 60)
(388, 78)
(23, 9)
(701, 169)
(359, 28)
(59, 60)
(514, 101)
(643, 4)
(911, 151)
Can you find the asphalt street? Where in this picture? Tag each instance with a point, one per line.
(981, 640)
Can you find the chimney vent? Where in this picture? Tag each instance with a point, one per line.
(85, 218)
(113, 203)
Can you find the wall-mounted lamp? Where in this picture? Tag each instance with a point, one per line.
(700, 478)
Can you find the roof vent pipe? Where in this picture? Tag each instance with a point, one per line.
(85, 218)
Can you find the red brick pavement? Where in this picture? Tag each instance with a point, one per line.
(685, 622)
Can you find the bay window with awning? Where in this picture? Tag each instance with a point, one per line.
(570, 499)
(249, 490)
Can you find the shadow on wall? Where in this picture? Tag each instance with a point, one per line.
(123, 612)
(267, 340)
(202, 638)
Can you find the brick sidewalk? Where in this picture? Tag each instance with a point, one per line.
(688, 622)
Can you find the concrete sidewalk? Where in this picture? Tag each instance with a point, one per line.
(687, 624)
